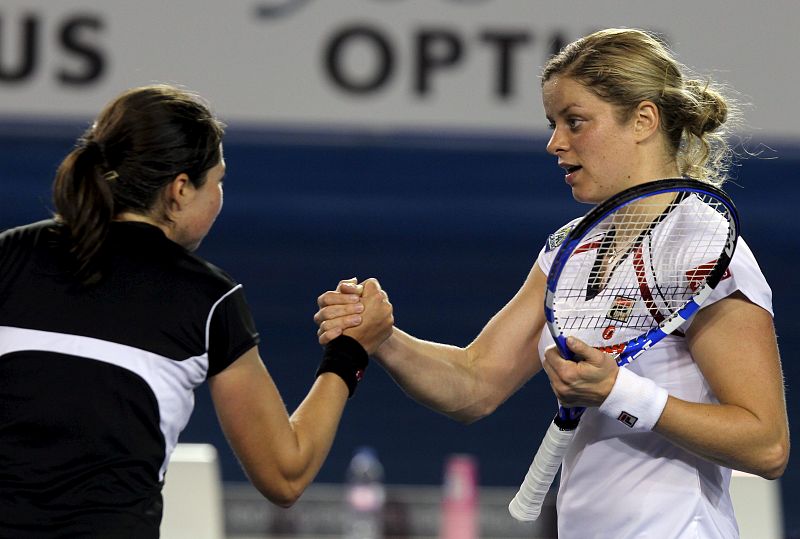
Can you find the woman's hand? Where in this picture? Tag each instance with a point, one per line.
(585, 381)
(377, 318)
(339, 309)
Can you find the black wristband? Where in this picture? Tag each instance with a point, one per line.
(345, 357)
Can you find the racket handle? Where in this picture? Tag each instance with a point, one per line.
(527, 504)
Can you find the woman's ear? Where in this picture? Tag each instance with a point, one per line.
(180, 192)
(646, 120)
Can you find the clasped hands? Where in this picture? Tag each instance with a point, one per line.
(359, 310)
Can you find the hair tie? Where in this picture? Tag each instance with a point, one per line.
(93, 147)
(111, 175)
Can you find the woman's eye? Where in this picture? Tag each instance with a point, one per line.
(574, 123)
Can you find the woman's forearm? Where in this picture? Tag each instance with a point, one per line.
(438, 376)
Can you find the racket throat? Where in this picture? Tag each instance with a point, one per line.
(568, 418)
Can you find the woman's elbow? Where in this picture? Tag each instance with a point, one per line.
(286, 501)
(775, 460)
(282, 493)
(473, 413)
(769, 460)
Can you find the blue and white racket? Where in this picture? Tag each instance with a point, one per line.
(631, 272)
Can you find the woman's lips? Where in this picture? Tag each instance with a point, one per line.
(570, 175)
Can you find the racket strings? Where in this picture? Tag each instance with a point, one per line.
(638, 265)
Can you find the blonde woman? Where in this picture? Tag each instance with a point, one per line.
(622, 112)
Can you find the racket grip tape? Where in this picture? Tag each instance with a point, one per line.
(527, 504)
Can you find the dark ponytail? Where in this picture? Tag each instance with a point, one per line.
(84, 205)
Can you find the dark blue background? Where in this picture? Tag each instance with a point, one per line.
(450, 225)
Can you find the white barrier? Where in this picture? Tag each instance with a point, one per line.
(757, 503)
(193, 502)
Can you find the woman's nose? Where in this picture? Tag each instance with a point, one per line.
(557, 142)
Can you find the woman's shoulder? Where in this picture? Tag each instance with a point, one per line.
(29, 228)
(146, 248)
(29, 234)
(215, 273)
(555, 239)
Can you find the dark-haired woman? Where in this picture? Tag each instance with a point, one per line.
(108, 322)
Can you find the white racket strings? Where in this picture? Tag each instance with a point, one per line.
(638, 265)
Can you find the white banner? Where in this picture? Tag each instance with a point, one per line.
(421, 65)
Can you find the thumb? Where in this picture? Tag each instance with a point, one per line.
(349, 286)
(371, 286)
(581, 349)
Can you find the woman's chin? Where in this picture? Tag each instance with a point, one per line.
(584, 197)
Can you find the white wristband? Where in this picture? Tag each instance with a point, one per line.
(635, 401)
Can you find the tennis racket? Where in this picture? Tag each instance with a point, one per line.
(631, 272)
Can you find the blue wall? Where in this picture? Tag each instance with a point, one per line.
(450, 227)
